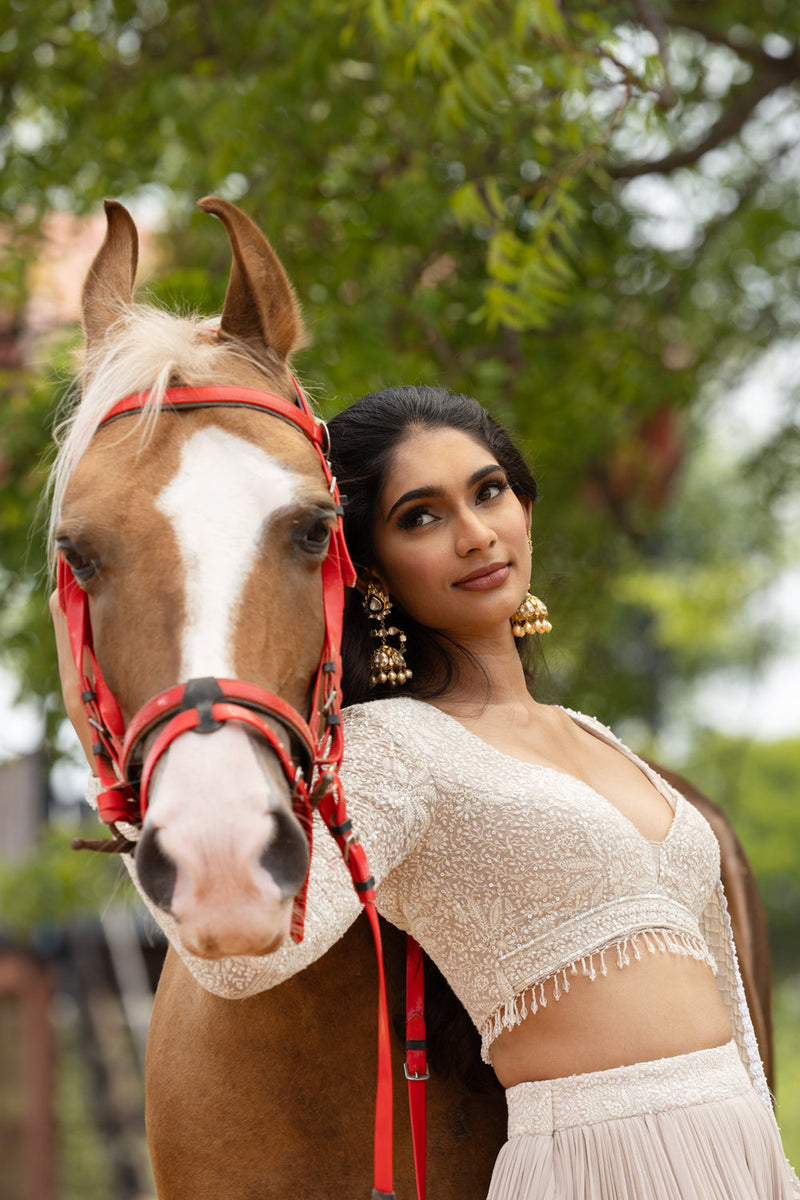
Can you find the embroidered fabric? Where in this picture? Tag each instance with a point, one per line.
(510, 875)
(648, 1087)
(518, 874)
(689, 1127)
(617, 953)
(609, 1120)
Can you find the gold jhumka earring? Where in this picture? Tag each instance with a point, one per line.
(531, 616)
(387, 663)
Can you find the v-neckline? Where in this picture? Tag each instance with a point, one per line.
(589, 725)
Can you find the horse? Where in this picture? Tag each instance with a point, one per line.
(197, 540)
(202, 1048)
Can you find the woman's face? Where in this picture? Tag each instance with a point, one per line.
(451, 536)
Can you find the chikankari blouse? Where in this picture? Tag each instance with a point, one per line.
(512, 876)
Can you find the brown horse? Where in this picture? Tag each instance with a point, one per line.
(271, 1096)
(275, 1093)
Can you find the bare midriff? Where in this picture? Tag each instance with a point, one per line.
(660, 1006)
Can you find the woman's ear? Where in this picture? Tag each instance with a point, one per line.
(364, 580)
(527, 505)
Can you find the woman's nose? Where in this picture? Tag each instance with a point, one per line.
(474, 533)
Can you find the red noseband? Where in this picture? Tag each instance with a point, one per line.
(202, 706)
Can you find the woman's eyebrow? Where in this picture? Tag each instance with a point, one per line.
(427, 493)
(422, 493)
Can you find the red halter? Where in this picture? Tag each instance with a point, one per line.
(202, 704)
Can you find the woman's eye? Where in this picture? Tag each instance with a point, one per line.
(491, 490)
(415, 518)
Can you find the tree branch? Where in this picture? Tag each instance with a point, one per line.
(780, 73)
(653, 21)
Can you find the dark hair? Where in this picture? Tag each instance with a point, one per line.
(363, 440)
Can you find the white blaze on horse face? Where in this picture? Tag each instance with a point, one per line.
(214, 798)
(223, 494)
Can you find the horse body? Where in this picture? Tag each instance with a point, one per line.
(273, 1097)
(198, 537)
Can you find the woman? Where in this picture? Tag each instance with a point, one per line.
(535, 855)
(569, 896)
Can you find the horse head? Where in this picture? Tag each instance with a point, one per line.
(195, 536)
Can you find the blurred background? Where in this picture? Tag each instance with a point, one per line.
(586, 215)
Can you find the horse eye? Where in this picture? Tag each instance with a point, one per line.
(315, 536)
(319, 534)
(82, 568)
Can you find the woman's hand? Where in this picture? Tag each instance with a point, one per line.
(70, 680)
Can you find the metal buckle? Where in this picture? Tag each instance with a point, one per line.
(352, 839)
(413, 1076)
(326, 443)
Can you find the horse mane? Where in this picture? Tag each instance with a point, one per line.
(148, 349)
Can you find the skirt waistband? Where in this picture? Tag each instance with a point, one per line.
(548, 1105)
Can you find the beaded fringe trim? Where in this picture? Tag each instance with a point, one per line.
(513, 1012)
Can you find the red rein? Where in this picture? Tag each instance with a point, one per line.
(190, 705)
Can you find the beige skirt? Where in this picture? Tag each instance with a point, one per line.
(686, 1128)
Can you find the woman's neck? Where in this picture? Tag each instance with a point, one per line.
(488, 676)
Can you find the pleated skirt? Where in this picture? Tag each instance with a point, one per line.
(685, 1128)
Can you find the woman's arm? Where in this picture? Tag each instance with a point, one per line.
(716, 928)
(389, 799)
(331, 907)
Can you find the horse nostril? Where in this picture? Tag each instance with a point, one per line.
(286, 857)
(157, 871)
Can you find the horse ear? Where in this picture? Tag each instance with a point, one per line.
(260, 304)
(108, 289)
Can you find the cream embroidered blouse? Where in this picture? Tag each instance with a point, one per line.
(512, 876)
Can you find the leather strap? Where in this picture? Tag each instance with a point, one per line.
(332, 809)
(416, 1064)
(229, 396)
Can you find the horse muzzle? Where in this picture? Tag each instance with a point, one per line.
(221, 850)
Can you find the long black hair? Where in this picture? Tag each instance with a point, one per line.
(363, 441)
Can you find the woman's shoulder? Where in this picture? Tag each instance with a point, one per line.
(389, 750)
(608, 735)
(386, 713)
(400, 725)
(594, 723)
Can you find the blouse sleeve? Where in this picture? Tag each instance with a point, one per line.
(716, 929)
(389, 797)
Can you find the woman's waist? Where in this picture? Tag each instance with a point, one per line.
(659, 1006)
(648, 1086)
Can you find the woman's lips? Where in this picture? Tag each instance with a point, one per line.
(484, 578)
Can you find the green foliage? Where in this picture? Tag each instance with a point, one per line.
(787, 1058)
(29, 403)
(56, 883)
(463, 193)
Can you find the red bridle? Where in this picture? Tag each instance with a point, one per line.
(125, 768)
(122, 766)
